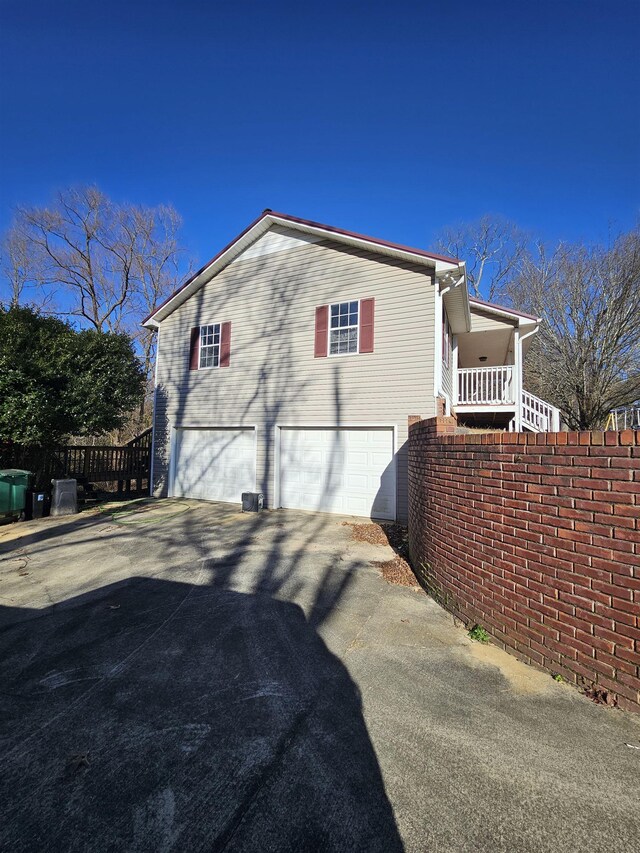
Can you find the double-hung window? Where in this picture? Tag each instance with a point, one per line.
(209, 346)
(343, 328)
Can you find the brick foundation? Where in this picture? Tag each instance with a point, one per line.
(537, 539)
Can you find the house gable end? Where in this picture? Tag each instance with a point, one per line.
(269, 222)
(300, 272)
(274, 241)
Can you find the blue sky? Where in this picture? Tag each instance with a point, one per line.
(393, 119)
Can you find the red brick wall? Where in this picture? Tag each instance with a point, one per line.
(537, 539)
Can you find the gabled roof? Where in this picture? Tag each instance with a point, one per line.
(492, 308)
(440, 263)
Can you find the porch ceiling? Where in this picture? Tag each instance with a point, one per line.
(496, 345)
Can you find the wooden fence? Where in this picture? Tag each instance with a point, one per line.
(143, 440)
(85, 463)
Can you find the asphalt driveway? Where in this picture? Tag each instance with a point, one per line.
(184, 678)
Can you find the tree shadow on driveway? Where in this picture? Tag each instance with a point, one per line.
(159, 715)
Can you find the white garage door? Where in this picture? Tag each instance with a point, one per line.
(349, 471)
(214, 464)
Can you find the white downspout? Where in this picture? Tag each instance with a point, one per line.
(438, 390)
(153, 422)
(437, 373)
(518, 358)
(517, 377)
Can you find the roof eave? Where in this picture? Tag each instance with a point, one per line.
(501, 310)
(287, 219)
(194, 282)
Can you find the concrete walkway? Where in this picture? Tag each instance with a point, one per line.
(182, 677)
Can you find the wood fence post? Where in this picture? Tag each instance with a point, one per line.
(85, 465)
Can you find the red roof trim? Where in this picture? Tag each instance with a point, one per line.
(481, 302)
(329, 228)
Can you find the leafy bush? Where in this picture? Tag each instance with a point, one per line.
(56, 381)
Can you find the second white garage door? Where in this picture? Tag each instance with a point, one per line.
(348, 471)
(214, 464)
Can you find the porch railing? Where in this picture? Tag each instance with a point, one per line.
(537, 415)
(144, 439)
(486, 386)
(495, 386)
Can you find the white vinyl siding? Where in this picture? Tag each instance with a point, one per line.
(483, 321)
(275, 241)
(274, 377)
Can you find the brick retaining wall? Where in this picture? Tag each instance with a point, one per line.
(537, 539)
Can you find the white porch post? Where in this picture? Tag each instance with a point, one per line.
(454, 371)
(517, 377)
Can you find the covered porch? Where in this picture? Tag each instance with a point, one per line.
(483, 391)
(486, 372)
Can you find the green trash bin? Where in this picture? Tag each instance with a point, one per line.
(13, 491)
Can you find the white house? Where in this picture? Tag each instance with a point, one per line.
(290, 364)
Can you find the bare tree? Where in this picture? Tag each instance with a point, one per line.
(98, 261)
(586, 358)
(106, 265)
(492, 247)
(157, 269)
(17, 265)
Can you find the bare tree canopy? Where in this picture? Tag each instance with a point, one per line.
(105, 264)
(18, 265)
(492, 248)
(586, 358)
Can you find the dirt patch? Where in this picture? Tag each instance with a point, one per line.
(381, 534)
(372, 533)
(397, 571)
